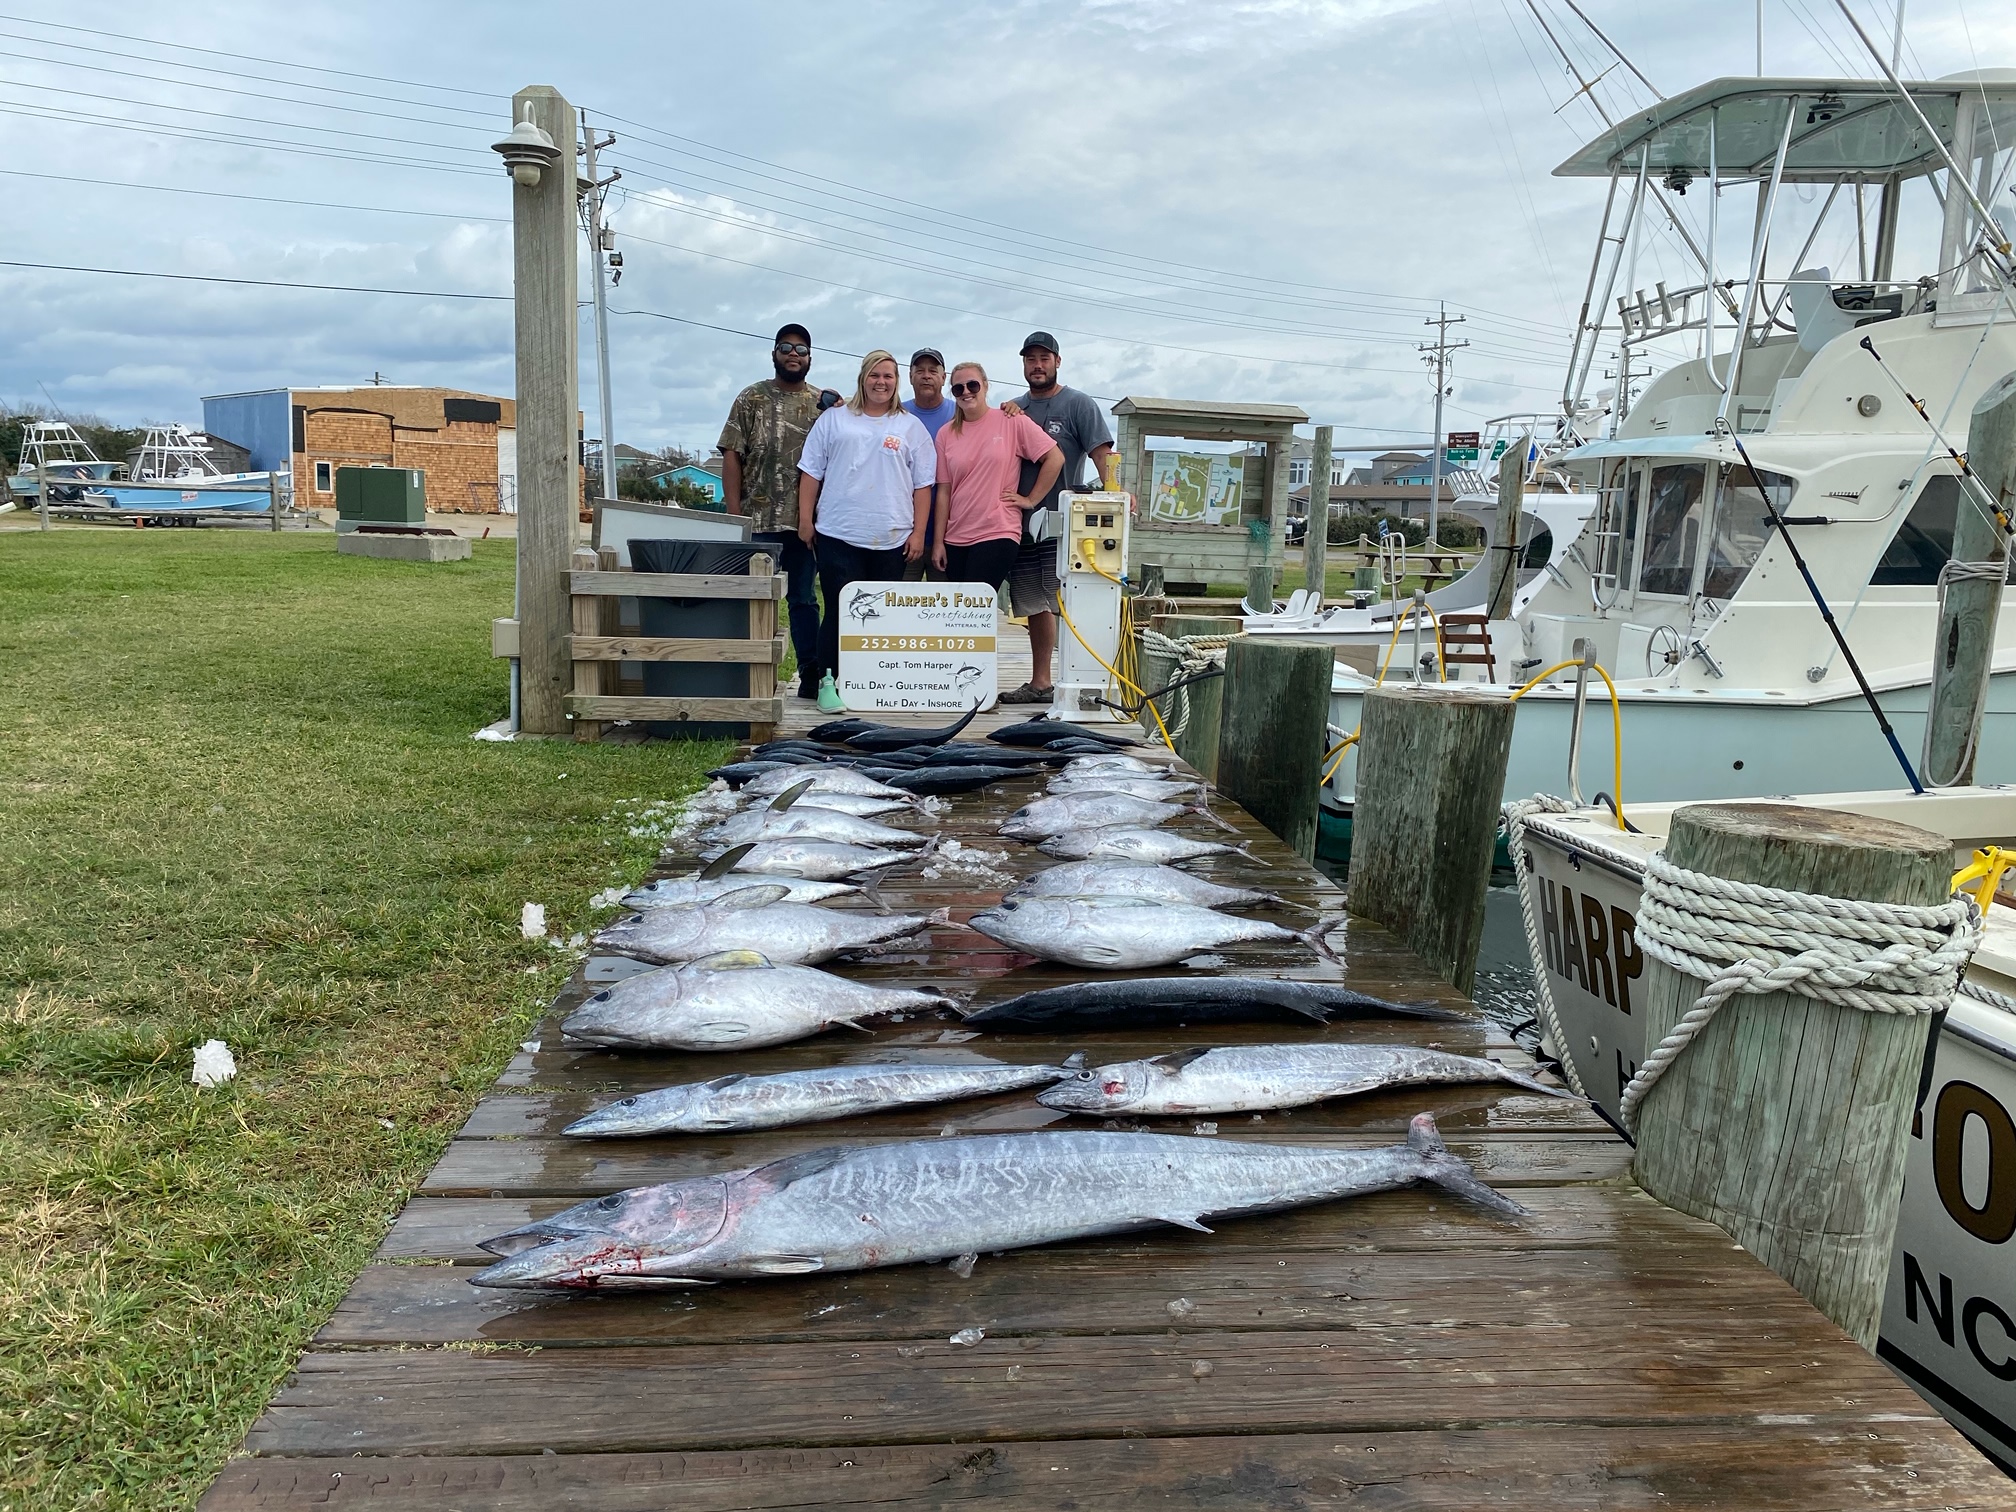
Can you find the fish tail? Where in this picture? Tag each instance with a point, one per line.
(1317, 938)
(1534, 1084)
(1280, 902)
(1450, 1173)
(1225, 824)
(1247, 851)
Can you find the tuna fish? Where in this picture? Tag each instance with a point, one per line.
(756, 918)
(1116, 934)
(1162, 884)
(1256, 1078)
(678, 892)
(815, 860)
(1114, 762)
(1158, 789)
(1041, 729)
(1151, 1002)
(824, 779)
(1045, 817)
(965, 777)
(808, 823)
(857, 1207)
(1119, 842)
(894, 737)
(736, 1000)
(737, 1101)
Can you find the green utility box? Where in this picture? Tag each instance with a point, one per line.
(381, 495)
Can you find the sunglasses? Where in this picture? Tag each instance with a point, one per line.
(793, 349)
(961, 390)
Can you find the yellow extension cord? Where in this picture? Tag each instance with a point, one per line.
(1120, 680)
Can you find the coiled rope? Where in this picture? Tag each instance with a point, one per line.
(1739, 937)
(1193, 653)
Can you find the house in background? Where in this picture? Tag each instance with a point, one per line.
(708, 478)
(465, 443)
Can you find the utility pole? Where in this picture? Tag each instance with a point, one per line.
(599, 238)
(1436, 355)
(546, 283)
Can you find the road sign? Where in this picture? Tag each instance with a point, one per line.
(1463, 446)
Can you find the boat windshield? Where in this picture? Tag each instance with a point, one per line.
(1741, 526)
(1672, 528)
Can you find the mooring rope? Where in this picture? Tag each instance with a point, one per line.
(1739, 937)
(1514, 817)
(1193, 654)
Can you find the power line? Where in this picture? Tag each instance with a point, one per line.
(263, 199)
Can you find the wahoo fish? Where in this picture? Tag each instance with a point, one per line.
(856, 1207)
(815, 860)
(1159, 789)
(1114, 934)
(737, 1101)
(1150, 1002)
(1257, 1078)
(1114, 762)
(736, 1000)
(1162, 884)
(1041, 729)
(1119, 842)
(1045, 817)
(756, 918)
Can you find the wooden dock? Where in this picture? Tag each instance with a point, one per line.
(1405, 1350)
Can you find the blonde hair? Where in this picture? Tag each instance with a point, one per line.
(859, 403)
(958, 418)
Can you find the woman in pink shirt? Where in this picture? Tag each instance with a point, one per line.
(979, 514)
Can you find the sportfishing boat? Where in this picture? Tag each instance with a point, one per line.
(1819, 411)
(178, 457)
(1553, 508)
(1949, 1315)
(71, 465)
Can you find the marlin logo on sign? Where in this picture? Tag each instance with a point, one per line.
(965, 677)
(861, 605)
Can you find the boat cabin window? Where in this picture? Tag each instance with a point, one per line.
(1924, 541)
(1539, 549)
(1617, 527)
(1741, 526)
(1672, 528)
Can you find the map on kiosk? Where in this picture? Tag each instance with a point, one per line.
(1195, 488)
(920, 647)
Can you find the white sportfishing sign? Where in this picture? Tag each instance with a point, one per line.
(917, 647)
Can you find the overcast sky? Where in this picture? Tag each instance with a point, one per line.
(1222, 199)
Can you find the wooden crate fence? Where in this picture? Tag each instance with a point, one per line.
(597, 644)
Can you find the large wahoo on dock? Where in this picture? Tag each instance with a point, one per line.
(1148, 1002)
(1114, 934)
(1258, 1078)
(854, 1208)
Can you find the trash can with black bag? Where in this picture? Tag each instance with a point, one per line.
(700, 618)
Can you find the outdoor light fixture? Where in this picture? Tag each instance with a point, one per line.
(526, 151)
(1677, 180)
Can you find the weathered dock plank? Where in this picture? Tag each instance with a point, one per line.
(1402, 1350)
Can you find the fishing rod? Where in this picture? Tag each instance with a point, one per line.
(1982, 492)
(1827, 614)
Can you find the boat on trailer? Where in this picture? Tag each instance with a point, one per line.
(1680, 583)
(176, 462)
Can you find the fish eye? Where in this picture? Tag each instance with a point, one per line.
(610, 1203)
(600, 997)
(628, 1102)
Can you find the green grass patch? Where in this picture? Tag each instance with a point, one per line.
(240, 801)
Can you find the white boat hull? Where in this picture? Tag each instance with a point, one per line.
(1949, 1319)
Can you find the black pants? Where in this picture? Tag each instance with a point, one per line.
(839, 565)
(986, 562)
(794, 560)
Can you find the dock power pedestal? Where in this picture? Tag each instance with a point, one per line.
(1091, 564)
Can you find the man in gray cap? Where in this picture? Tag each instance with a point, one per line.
(1075, 422)
(929, 403)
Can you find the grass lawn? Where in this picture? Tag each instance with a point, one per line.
(240, 802)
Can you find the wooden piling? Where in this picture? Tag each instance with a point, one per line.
(1317, 540)
(1260, 588)
(1424, 823)
(1270, 742)
(1968, 607)
(1198, 744)
(273, 499)
(1505, 541)
(1786, 1120)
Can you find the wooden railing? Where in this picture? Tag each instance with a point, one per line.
(598, 643)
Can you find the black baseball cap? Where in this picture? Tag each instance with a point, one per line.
(1042, 339)
(927, 352)
(794, 329)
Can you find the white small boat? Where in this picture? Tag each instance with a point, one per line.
(54, 447)
(176, 456)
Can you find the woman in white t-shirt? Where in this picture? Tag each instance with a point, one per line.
(864, 495)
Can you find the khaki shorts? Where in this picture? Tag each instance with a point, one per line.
(1032, 583)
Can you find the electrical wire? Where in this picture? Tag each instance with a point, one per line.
(223, 139)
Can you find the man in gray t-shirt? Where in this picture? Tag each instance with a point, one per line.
(1075, 422)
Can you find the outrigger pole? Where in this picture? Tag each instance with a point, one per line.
(1826, 614)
